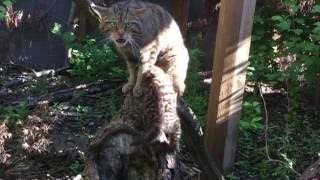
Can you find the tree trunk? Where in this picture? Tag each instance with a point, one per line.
(312, 172)
(180, 12)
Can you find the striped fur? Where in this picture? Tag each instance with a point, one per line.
(145, 34)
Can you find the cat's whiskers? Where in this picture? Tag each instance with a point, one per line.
(132, 48)
(106, 40)
(135, 47)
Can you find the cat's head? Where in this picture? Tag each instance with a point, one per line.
(122, 21)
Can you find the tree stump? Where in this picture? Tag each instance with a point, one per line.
(142, 141)
(312, 172)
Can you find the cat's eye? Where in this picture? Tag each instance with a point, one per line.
(111, 24)
(128, 24)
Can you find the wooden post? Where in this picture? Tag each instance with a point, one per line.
(180, 12)
(229, 71)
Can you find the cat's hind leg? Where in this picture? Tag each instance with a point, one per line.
(143, 68)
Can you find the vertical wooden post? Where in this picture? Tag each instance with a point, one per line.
(180, 12)
(229, 71)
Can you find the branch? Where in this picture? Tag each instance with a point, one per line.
(195, 141)
(266, 136)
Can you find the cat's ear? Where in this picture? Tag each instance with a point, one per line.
(99, 10)
(141, 11)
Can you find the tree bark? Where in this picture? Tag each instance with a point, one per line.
(312, 172)
(180, 12)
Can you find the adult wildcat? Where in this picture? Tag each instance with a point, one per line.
(145, 34)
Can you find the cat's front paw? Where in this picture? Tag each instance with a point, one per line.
(127, 87)
(137, 91)
(179, 88)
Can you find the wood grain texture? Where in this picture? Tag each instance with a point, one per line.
(229, 70)
(180, 12)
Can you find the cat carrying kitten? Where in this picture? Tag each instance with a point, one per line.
(145, 34)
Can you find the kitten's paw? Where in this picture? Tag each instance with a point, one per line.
(137, 91)
(179, 88)
(127, 87)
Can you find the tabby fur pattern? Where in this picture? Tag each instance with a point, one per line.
(145, 34)
(155, 112)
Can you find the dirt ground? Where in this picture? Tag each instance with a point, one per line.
(48, 140)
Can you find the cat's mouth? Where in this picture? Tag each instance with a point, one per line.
(121, 42)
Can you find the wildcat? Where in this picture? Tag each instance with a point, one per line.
(145, 34)
(155, 112)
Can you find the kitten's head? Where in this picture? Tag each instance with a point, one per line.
(122, 21)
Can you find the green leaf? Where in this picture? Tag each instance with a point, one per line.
(277, 18)
(316, 9)
(298, 31)
(7, 3)
(56, 29)
(284, 25)
(3, 9)
(2, 15)
(300, 21)
(317, 24)
(68, 37)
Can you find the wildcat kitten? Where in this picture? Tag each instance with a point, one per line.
(148, 127)
(155, 112)
(145, 34)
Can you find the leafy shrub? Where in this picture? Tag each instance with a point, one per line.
(89, 59)
(196, 94)
(285, 45)
(3, 9)
(284, 54)
(11, 114)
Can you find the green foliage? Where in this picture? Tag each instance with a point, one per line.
(251, 117)
(39, 85)
(196, 95)
(57, 107)
(90, 60)
(278, 34)
(111, 102)
(81, 109)
(285, 33)
(287, 138)
(11, 114)
(6, 4)
(76, 167)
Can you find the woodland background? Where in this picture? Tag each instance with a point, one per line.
(279, 129)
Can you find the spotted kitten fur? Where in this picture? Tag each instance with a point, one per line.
(155, 112)
(145, 34)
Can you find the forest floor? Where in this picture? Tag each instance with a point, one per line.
(41, 139)
(48, 141)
